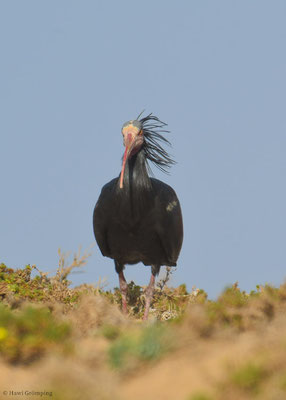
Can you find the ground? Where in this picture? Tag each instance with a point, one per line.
(69, 344)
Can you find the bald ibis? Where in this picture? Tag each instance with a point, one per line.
(138, 218)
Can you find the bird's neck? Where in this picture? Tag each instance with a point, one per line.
(136, 177)
(137, 185)
(136, 195)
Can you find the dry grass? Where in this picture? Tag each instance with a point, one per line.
(75, 343)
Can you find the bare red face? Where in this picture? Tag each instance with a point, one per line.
(132, 139)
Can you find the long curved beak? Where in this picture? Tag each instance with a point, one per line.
(125, 158)
(130, 142)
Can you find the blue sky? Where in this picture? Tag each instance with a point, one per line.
(72, 72)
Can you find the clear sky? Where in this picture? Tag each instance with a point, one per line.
(72, 72)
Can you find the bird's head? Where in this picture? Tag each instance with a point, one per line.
(146, 133)
(132, 132)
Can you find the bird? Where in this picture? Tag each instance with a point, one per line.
(137, 217)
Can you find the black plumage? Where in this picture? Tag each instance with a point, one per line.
(138, 218)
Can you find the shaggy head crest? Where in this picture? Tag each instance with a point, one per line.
(153, 131)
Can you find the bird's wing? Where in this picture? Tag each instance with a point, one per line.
(170, 223)
(101, 218)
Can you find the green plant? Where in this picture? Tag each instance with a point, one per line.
(199, 396)
(133, 348)
(110, 332)
(248, 377)
(233, 297)
(27, 334)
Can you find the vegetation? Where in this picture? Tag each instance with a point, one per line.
(28, 334)
(76, 343)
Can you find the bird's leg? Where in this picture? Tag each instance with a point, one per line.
(123, 285)
(148, 296)
(123, 289)
(149, 292)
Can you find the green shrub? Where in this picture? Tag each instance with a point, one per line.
(248, 377)
(199, 396)
(148, 344)
(27, 334)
